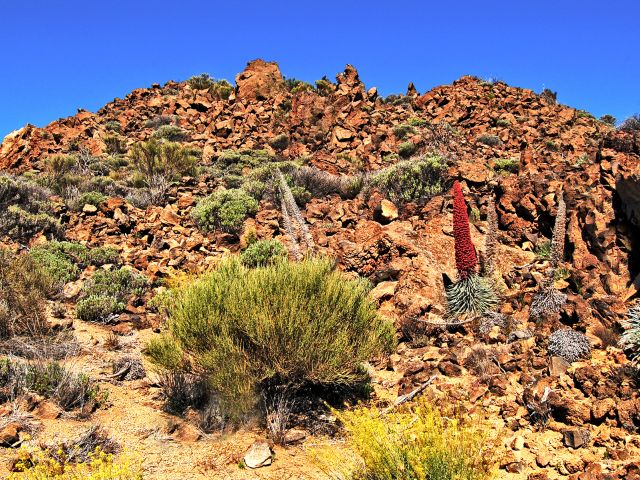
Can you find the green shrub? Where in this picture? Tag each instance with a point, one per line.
(25, 209)
(221, 89)
(410, 180)
(263, 253)
(171, 133)
(419, 442)
(98, 308)
(510, 165)
(491, 140)
(113, 126)
(417, 122)
(255, 188)
(89, 198)
(280, 142)
(121, 283)
(225, 210)
(234, 161)
(115, 144)
(23, 287)
(608, 119)
(287, 323)
(49, 379)
(201, 82)
(301, 195)
(55, 264)
(502, 122)
(406, 149)
(401, 131)
(168, 159)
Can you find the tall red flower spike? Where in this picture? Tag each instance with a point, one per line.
(466, 258)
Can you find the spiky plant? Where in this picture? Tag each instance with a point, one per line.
(630, 339)
(473, 295)
(569, 344)
(466, 258)
(548, 299)
(491, 239)
(470, 294)
(294, 222)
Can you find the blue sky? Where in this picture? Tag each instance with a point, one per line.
(58, 56)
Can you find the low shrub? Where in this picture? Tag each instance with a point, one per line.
(301, 195)
(23, 287)
(115, 144)
(62, 261)
(26, 209)
(225, 210)
(171, 133)
(410, 180)
(402, 131)
(290, 324)
(419, 442)
(42, 464)
(569, 344)
(51, 380)
(121, 283)
(280, 142)
(113, 126)
(406, 149)
(201, 82)
(491, 140)
(160, 158)
(417, 122)
(549, 96)
(235, 161)
(631, 124)
(88, 198)
(160, 120)
(263, 253)
(630, 339)
(508, 165)
(320, 183)
(99, 308)
(221, 89)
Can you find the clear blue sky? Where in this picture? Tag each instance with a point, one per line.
(58, 56)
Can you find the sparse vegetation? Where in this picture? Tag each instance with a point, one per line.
(285, 324)
(418, 442)
(167, 159)
(225, 210)
(402, 131)
(23, 287)
(406, 149)
(171, 133)
(280, 142)
(631, 124)
(26, 209)
(549, 97)
(490, 140)
(49, 379)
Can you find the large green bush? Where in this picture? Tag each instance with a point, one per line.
(410, 180)
(225, 210)
(289, 324)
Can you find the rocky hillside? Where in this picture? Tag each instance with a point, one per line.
(499, 141)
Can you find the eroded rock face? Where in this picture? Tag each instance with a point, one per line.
(260, 80)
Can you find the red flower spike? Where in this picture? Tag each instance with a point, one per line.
(466, 258)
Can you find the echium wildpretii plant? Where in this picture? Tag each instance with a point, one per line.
(630, 339)
(470, 294)
(491, 239)
(548, 299)
(294, 222)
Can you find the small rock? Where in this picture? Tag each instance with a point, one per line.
(47, 410)
(187, 433)
(9, 435)
(576, 438)
(388, 210)
(259, 455)
(294, 436)
(558, 366)
(89, 209)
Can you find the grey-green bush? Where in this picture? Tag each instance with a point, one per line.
(262, 253)
(288, 324)
(225, 210)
